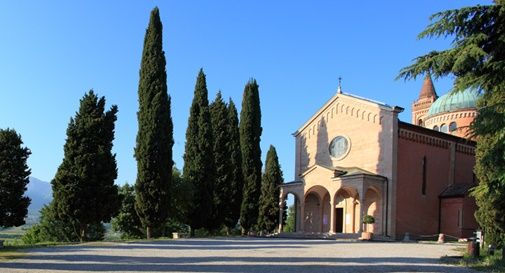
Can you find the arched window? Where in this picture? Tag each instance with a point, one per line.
(435, 128)
(443, 128)
(452, 126)
(420, 122)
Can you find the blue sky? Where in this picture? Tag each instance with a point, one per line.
(52, 52)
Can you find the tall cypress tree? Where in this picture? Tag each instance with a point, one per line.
(250, 134)
(83, 188)
(268, 217)
(236, 175)
(14, 174)
(155, 132)
(222, 161)
(198, 157)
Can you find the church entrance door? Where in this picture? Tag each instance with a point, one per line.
(339, 217)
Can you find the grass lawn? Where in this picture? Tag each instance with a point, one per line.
(487, 263)
(12, 235)
(484, 263)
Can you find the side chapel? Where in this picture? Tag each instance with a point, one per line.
(354, 157)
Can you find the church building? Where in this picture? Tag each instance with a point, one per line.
(355, 157)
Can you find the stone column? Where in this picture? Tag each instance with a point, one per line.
(302, 216)
(332, 214)
(281, 211)
(361, 212)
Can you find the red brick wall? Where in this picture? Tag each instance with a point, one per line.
(464, 168)
(417, 213)
(452, 225)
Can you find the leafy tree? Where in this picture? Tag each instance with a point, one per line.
(83, 188)
(222, 161)
(181, 200)
(127, 222)
(14, 174)
(236, 175)
(198, 157)
(153, 151)
(250, 137)
(52, 228)
(476, 59)
(290, 225)
(268, 217)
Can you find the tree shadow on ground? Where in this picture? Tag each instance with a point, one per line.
(81, 258)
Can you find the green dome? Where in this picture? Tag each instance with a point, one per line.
(454, 101)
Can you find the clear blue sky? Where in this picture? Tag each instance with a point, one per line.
(52, 52)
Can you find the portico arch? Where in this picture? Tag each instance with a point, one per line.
(317, 210)
(373, 207)
(293, 209)
(347, 211)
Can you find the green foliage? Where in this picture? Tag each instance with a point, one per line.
(83, 187)
(181, 201)
(52, 228)
(199, 170)
(290, 225)
(368, 219)
(222, 162)
(127, 222)
(477, 60)
(268, 216)
(153, 151)
(490, 168)
(250, 137)
(236, 175)
(14, 174)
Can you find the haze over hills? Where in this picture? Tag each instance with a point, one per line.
(40, 192)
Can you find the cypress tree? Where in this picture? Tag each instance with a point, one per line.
(153, 151)
(222, 161)
(83, 188)
(250, 134)
(14, 174)
(236, 175)
(198, 157)
(268, 217)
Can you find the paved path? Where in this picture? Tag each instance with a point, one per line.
(237, 255)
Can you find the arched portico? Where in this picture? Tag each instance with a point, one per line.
(373, 207)
(347, 211)
(338, 205)
(317, 212)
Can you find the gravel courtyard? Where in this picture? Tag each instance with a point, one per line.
(237, 255)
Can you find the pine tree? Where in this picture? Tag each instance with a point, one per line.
(268, 217)
(83, 188)
(153, 151)
(476, 60)
(250, 134)
(222, 161)
(236, 175)
(198, 157)
(14, 174)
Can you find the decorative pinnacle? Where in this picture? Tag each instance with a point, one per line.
(339, 90)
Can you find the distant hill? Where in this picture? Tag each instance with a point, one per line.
(41, 194)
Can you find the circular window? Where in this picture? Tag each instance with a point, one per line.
(339, 147)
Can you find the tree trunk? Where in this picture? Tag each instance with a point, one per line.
(148, 231)
(503, 253)
(82, 235)
(243, 232)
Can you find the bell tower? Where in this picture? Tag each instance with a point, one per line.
(427, 97)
